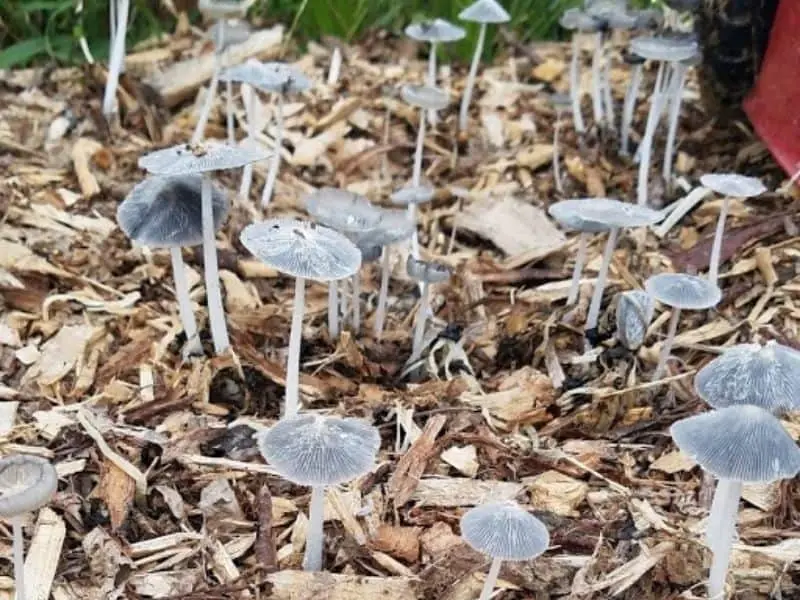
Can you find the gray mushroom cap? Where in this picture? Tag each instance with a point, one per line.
(166, 212)
(743, 443)
(683, 291)
(229, 32)
(189, 159)
(436, 30)
(420, 194)
(281, 78)
(612, 13)
(665, 48)
(485, 11)
(342, 210)
(302, 249)
(634, 312)
(575, 214)
(26, 484)
(767, 376)
(314, 450)
(394, 226)
(601, 214)
(427, 271)
(504, 530)
(224, 8)
(649, 17)
(370, 252)
(733, 185)
(574, 19)
(425, 96)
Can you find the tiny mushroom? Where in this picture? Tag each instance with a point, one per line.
(303, 250)
(504, 531)
(631, 94)
(634, 312)
(562, 103)
(411, 197)
(426, 273)
(675, 92)
(576, 20)
(226, 33)
(318, 451)
(370, 253)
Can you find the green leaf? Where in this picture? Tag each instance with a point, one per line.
(20, 53)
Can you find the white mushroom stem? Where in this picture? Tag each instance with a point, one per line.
(216, 311)
(333, 309)
(463, 113)
(112, 22)
(208, 102)
(380, 313)
(597, 95)
(19, 557)
(608, 97)
(666, 347)
(720, 540)
(656, 105)
(629, 106)
(716, 247)
(678, 81)
(491, 579)
(577, 271)
(419, 326)
(117, 58)
(249, 95)
(193, 345)
(416, 177)
(431, 80)
(295, 336)
(575, 86)
(272, 175)
(556, 155)
(600, 284)
(312, 560)
(229, 110)
(356, 302)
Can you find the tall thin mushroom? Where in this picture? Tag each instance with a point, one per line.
(413, 197)
(629, 104)
(577, 21)
(118, 34)
(226, 33)
(426, 273)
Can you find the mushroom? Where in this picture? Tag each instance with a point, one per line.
(303, 250)
(426, 273)
(411, 197)
(318, 451)
(576, 20)
(369, 253)
(485, 12)
(119, 25)
(631, 94)
(226, 33)
(634, 312)
(166, 212)
(675, 92)
(193, 159)
(728, 185)
(504, 531)
(26, 484)
(767, 376)
(562, 103)
(737, 445)
(680, 292)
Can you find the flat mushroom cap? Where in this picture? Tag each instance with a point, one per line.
(575, 214)
(683, 291)
(504, 530)
(236, 31)
(574, 19)
(394, 226)
(420, 194)
(733, 185)
(342, 210)
(279, 77)
(600, 214)
(485, 11)
(670, 49)
(26, 484)
(437, 30)
(302, 249)
(634, 312)
(189, 159)
(613, 13)
(425, 96)
(224, 8)
(314, 450)
(742, 443)
(427, 271)
(766, 376)
(166, 212)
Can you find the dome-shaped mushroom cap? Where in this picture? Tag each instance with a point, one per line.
(26, 484)
(276, 77)
(576, 214)
(229, 32)
(664, 47)
(427, 271)
(314, 450)
(683, 291)
(437, 30)
(574, 19)
(342, 210)
(504, 530)
(224, 8)
(613, 13)
(166, 212)
(425, 96)
(634, 312)
(601, 214)
(419, 194)
(302, 249)
(767, 376)
(394, 226)
(189, 159)
(485, 11)
(733, 185)
(743, 443)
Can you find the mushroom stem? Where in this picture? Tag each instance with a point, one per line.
(272, 175)
(716, 247)
(216, 311)
(416, 176)
(656, 105)
(597, 96)
(463, 113)
(344, 306)
(629, 106)
(608, 97)
(117, 58)
(491, 579)
(229, 110)
(112, 22)
(678, 81)
(580, 259)
(600, 285)
(575, 86)
(19, 558)
(380, 314)
(726, 502)
(356, 302)
(419, 326)
(333, 310)
(312, 561)
(295, 336)
(666, 348)
(205, 113)
(431, 80)
(249, 107)
(726, 499)
(193, 345)
(556, 156)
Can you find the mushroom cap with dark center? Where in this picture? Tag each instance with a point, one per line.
(427, 271)
(302, 249)
(683, 291)
(767, 376)
(485, 11)
(733, 185)
(574, 19)
(314, 450)
(166, 212)
(601, 214)
(504, 530)
(634, 312)
(425, 96)
(26, 484)
(190, 159)
(436, 30)
(394, 226)
(419, 194)
(342, 210)
(666, 48)
(743, 443)
(230, 32)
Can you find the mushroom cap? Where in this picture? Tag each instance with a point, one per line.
(743, 443)
(601, 214)
(166, 212)
(224, 8)
(612, 13)
(504, 530)
(236, 31)
(649, 17)
(634, 312)
(427, 271)
(767, 376)
(574, 19)
(425, 96)
(189, 159)
(436, 30)
(683, 291)
(315, 450)
(667, 48)
(26, 484)
(485, 11)
(633, 59)
(419, 194)
(394, 226)
(302, 249)
(342, 210)
(370, 252)
(733, 185)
